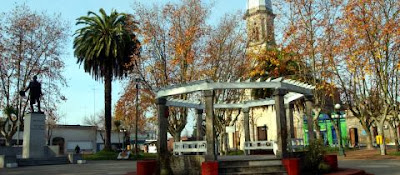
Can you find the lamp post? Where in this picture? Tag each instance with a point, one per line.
(337, 116)
(124, 138)
(137, 80)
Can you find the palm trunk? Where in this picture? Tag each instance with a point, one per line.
(107, 107)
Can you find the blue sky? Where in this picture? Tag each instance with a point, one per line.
(86, 96)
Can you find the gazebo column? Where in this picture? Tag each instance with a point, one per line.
(310, 122)
(281, 123)
(163, 155)
(210, 131)
(289, 117)
(246, 124)
(199, 124)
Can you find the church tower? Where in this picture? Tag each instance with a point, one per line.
(260, 25)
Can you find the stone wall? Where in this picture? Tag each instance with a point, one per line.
(180, 164)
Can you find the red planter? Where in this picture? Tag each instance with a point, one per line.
(209, 168)
(331, 160)
(146, 167)
(292, 166)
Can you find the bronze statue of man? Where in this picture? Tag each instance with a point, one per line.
(35, 92)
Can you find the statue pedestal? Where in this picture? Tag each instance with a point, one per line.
(34, 136)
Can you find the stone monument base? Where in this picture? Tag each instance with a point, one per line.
(34, 136)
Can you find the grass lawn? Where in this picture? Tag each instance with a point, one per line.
(112, 155)
(395, 153)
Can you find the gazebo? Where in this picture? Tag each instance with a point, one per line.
(285, 92)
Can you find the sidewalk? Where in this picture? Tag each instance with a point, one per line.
(91, 168)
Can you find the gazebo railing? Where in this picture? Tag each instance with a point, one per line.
(189, 147)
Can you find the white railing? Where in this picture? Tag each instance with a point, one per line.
(297, 144)
(189, 147)
(260, 145)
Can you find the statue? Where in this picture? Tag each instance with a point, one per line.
(35, 92)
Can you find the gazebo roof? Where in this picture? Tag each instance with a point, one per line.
(296, 90)
(203, 85)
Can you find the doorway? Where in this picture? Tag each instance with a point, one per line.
(262, 133)
(354, 137)
(61, 143)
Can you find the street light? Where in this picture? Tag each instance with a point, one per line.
(124, 138)
(337, 116)
(137, 80)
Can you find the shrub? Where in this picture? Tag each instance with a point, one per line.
(102, 155)
(233, 153)
(315, 156)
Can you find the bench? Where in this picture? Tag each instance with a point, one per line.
(189, 147)
(260, 145)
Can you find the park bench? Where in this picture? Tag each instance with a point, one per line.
(260, 145)
(189, 147)
(297, 144)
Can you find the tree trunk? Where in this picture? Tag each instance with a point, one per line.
(107, 107)
(221, 144)
(338, 135)
(369, 140)
(177, 136)
(316, 124)
(226, 143)
(369, 137)
(381, 133)
(396, 138)
(317, 130)
(8, 141)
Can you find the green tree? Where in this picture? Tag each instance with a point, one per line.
(105, 46)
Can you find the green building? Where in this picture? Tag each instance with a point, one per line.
(328, 132)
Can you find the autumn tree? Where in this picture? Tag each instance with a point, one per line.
(173, 40)
(225, 61)
(31, 43)
(305, 34)
(125, 109)
(370, 54)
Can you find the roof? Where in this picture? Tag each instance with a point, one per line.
(295, 89)
(76, 126)
(257, 3)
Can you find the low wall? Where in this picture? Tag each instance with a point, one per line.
(10, 151)
(52, 151)
(180, 164)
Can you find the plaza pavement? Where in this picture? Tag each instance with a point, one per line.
(367, 160)
(376, 167)
(91, 168)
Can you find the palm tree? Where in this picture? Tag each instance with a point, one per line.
(105, 45)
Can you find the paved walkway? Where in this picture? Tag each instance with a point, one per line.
(377, 167)
(91, 168)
